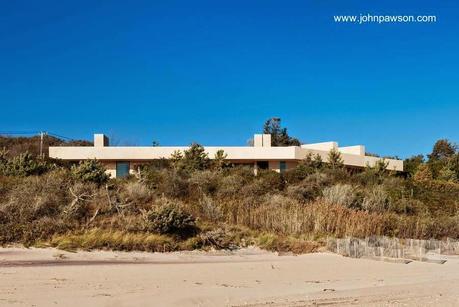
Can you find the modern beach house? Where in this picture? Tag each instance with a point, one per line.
(123, 160)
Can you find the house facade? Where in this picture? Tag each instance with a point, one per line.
(123, 160)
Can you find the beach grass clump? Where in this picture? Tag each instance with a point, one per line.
(114, 240)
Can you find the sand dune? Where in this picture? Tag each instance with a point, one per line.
(249, 277)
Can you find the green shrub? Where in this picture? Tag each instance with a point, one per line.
(310, 188)
(174, 183)
(171, 219)
(205, 181)
(262, 186)
(23, 165)
(90, 171)
(231, 185)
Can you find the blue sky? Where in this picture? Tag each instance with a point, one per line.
(213, 71)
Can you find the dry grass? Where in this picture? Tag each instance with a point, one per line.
(321, 218)
(114, 240)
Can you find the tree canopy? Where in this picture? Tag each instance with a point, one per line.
(279, 135)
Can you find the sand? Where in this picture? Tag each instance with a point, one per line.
(249, 277)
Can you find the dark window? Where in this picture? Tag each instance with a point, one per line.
(282, 166)
(122, 169)
(263, 164)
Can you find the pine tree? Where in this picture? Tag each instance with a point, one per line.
(335, 160)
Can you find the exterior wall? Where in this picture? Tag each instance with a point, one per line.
(274, 166)
(353, 150)
(291, 164)
(152, 153)
(325, 146)
(353, 156)
(110, 167)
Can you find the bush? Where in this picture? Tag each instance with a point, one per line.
(407, 206)
(135, 193)
(35, 197)
(306, 167)
(22, 165)
(310, 188)
(193, 159)
(266, 182)
(217, 238)
(339, 194)
(209, 209)
(174, 183)
(205, 181)
(90, 171)
(171, 219)
(376, 199)
(230, 185)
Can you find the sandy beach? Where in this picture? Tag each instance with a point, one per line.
(249, 277)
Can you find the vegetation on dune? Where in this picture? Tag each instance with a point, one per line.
(191, 201)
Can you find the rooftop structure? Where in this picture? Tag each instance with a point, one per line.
(122, 160)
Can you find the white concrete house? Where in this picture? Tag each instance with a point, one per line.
(122, 160)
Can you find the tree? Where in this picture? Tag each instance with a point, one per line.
(450, 169)
(423, 173)
(89, 171)
(194, 158)
(176, 159)
(279, 135)
(335, 160)
(442, 150)
(311, 162)
(411, 164)
(453, 163)
(447, 174)
(220, 160)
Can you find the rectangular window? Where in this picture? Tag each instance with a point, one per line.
(282, 166)
(122, 169)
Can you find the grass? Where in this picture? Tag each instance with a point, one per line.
(114, 240)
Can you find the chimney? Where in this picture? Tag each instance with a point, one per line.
(100, 140)
(262, 140)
